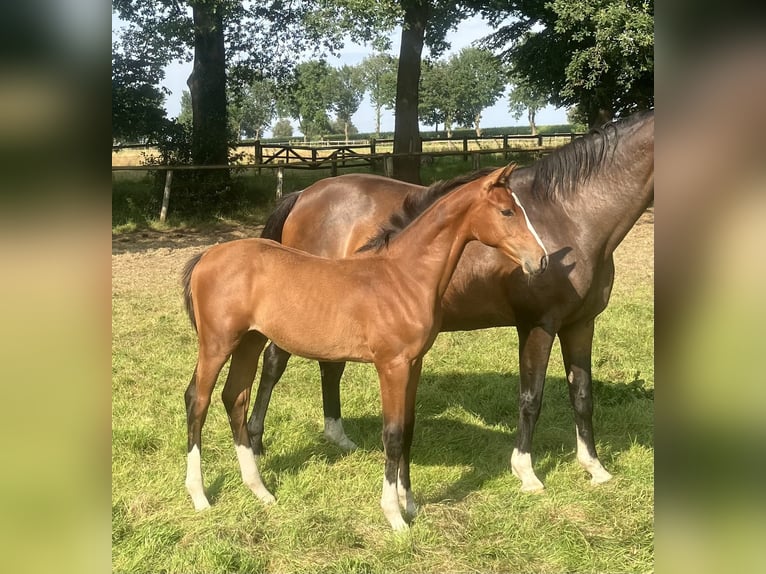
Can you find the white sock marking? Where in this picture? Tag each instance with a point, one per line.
(521, 466)
(250, 474)
(333, 432)
(599, 474)
(389, 502)
(194, 479)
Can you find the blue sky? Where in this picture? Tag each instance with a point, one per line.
(468, 31)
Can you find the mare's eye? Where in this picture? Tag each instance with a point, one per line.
(506, 212)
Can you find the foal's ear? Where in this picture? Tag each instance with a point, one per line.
(502, 179)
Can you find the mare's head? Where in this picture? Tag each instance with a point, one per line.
(500, 221)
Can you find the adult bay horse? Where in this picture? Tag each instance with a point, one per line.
(583, 197)
(381, 306)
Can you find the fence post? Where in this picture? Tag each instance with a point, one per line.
(539, 140)
(475, 160)
(372, 153)
(258, 153)
(506, 151)
(314, 156)
(388, 166)
(166, 195)
(280, 179)
(465, 148)
(334, 166)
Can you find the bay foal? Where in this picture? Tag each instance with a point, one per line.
(381, 306)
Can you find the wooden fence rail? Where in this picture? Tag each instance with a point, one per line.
(299, 157)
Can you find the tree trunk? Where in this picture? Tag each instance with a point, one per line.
(207, 87)
(531, 115)
(377, 121)
(406, 130)
(598, 116)
(476, 124)
(345, 131)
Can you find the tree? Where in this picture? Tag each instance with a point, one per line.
(282, 128)
(258, 107)
(379, 75)
(309, 97)
(435, 105)
(597, 55)
(423, 22)
(525, 98)
(137, 102)
(348, 92)
(476, 80)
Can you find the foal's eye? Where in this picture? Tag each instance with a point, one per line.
(506, 212)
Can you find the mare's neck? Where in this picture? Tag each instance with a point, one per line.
(428, 250)
(611, 201)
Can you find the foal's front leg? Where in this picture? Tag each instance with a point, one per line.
(394, 378)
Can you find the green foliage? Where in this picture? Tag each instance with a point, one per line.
(282, 128)
(309, 97)
(137, 101)
(458, 90)
(477, 81)
(379, 76)
(595, 54)
(348, 91)
(526, 98)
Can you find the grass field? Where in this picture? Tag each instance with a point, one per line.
(472, 517)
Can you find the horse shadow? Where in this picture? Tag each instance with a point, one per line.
(481, 438)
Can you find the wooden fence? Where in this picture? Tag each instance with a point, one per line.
(257, 155)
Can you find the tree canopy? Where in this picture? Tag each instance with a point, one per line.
(597, 55)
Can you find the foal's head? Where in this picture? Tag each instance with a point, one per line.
(501, 221)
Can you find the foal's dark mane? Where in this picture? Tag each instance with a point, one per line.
(560, 173)
(416, 203)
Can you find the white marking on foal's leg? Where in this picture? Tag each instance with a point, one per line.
(406, 498)
(333, 431)
(529, 223)
(599, 474)
(194, 479)
(250, 474)
(521, 466)
(389, 502)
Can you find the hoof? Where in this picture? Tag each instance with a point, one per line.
(601, 478)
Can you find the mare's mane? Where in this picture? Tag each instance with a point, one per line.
(563, 171)
(415, 203)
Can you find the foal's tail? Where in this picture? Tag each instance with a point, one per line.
(276, 221)
(186, 282)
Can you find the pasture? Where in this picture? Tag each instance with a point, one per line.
(472, 516)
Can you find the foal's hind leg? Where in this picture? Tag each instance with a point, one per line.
(576, 344)
(333, 426)
(274, 364)
(197, 397)
(236, 398)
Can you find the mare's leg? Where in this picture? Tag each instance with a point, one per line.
(274, 364)
(394, 379)
(576, 345)
(210, 360)
(236, 399)
(404, 486)
(333, 425)
(534, 353)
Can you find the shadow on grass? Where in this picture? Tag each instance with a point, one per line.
(445, 435)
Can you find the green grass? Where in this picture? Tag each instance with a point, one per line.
(472, 516)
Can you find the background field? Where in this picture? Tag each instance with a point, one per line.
(327, 517)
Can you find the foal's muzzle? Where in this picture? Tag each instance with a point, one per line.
(536, 270)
